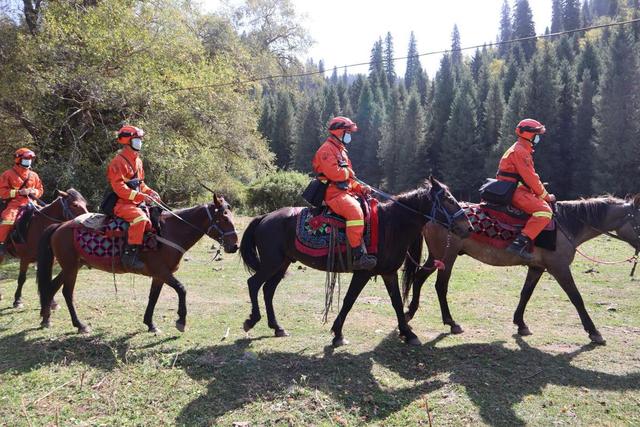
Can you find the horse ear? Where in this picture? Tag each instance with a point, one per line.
(217, 200)
(61, 193)
(636, 201)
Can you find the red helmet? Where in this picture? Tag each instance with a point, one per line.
(24, 153)
(528, 128)
(339, 125)
(126, 133)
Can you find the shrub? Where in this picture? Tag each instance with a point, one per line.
(277, 190)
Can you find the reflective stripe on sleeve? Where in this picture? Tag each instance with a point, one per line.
(138, 219)
(544, 214)
(133, 194)
(355, 222)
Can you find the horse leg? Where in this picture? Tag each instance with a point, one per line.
(565, 279)
(359, 279)
(255, 283)
(154, 293)
(69, 276)
(45, 312)
(181, 323)
(22, 277)
(270, 289)
(442, 289)
(533, 277)
(391, 283)
(421, 276)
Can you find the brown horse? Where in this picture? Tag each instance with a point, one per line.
(67, 205)
(272, 236)
(578, 221)
(181, 229)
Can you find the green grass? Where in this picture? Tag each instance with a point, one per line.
(122, 375)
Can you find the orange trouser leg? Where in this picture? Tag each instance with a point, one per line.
(540, 211)
(347, 206)
(137, 220)
(8, 218)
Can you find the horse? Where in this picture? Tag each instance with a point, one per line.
(577, 221)
(268, 248)
(67, 205)
(180, 231)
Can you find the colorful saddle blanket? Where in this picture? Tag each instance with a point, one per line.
(313, 230)
(499, 229)
(100, 239)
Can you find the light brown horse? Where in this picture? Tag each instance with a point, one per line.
(578, 221)
(67, 205)
(183, 229)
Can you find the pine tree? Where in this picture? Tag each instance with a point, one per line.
(588, 59)
(364, 147)
(556, 16)
(618, 117)
(414, 69)
(506, 30)
(564, 49)
(284, 131)
(456, 45)
(393, 138)
(376, 64)
(266, 124)
(585, 16)
(331, 103)
(493, 109)
(515, 111)
(523, 26)
(571, 14)
(311, 135)
(564, 133)
(443, 98)
(582, 174)
(389, 65)
(476, 64)
(334, 76)
(409, 170)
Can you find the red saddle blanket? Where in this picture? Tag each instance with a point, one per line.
(499, 229)
(100, 239)
(313, 230)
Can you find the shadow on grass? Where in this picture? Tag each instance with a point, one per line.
(494, 377)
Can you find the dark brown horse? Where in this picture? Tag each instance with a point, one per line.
(268, 248)
(578, 221)
(67, 205)
(183, 229)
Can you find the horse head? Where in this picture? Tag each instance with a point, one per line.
(73, 203)
(221, 226)
(446, 210)
(629, 230)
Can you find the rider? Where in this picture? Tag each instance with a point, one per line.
(17, 186)
(530, 196)
(332, 163)
(126, 176)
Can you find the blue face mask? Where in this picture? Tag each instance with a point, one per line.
(346, 139)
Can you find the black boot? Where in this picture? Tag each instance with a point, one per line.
(130, 259)
(3, 249)
(520, 247)
(362, 260)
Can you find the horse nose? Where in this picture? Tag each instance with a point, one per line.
(233, 249)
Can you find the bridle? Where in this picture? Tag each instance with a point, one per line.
(437, 206)
(214, 224)
(66, 210)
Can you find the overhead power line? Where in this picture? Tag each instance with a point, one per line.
(435, 52)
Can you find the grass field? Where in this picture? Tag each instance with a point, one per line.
(122, 375)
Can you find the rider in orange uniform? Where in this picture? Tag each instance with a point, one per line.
(126, 176)
(17, 185)
(530, 196)
(332, 163)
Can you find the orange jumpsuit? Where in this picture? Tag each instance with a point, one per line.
(10, 183)
(332, 162)
(119, 172)
(530, 195)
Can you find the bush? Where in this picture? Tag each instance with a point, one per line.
(277, 190)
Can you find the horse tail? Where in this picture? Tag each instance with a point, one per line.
(414, 254)
(248, 249)
(45, 266)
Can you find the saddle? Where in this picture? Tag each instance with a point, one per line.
(499, 225)
(314, 228)
(101, 238)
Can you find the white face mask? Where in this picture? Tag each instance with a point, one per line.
(346, 138)
(25, 163)
(536, 139)
(136, 144)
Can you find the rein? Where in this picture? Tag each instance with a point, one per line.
(65, 210)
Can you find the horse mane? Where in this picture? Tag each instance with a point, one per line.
(592, 211)
(409, 197)
(75, 195)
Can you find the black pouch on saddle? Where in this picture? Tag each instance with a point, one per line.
(315, 191)
(111, 198)
(498, 192)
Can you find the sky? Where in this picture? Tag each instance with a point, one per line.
(344, 30)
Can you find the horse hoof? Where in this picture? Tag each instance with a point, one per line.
(84, 330)
(524, 331)
(339, 342)
(45, 324)
(456, 329)
(154, 330)
(247, 325)
(181, 326)
(597, 339)
(415, 341)
(55, 306)
(18, 304)
(281, 333)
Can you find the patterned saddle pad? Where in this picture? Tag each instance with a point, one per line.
(499, 229)
(100, 238)
(313, 230)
